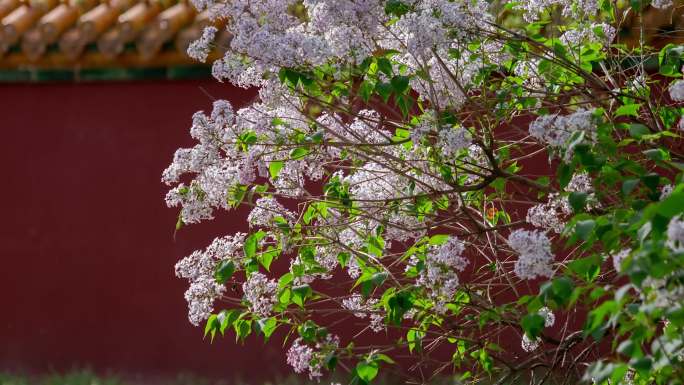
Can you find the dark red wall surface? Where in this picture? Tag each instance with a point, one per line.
(86, 241)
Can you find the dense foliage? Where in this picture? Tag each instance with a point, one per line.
(489, 190)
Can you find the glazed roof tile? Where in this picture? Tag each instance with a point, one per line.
(63, 34)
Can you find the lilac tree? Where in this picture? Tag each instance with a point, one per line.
(386, 161)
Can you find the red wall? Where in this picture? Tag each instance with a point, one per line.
(86, 241)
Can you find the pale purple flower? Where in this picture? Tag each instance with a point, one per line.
(528, 344)
(675, 234)
(260, 292)
(534, 249)
(619, 257)
(676, 90)
(200, 48)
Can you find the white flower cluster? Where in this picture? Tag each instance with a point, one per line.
(365, 308)
(595, 32)
(676, 90)
(452, 140)
(303, 358)
(199, 268)
(580, 182)
(375, 182)
(265, 211)
(675, 234)
(440, 273)
(215, 174)
(200, 48)
(549, 317)
(657, 292)
(535, 258)
(268, 35)
(570, 8)
(299, 356)
(662, 4)
(261, 293)
(551, 215)
(619, 257)
(427, 124)
(556, 130)
(530, 345)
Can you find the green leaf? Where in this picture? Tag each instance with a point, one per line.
(300, 293)
(250, 247)
(564, 174)
(212, 326)
(243, 328)
(669, 59)
(366, 90)
(587, 268)
(629, 185)
(643, 365)
(585, 228)
(237, 195)
(268, 256)
(485, 360)
(267, 326)
(376, 245)
(343, 258)
(657, 154)
(676, 316)
(672, 205)
(285, 280)
(577, 201)
(385, 66)
(595, 325)
(224, 271)
(628, 348)
(404, 102)
(251, 242)
(384, 90)
(299, 153)
(227, 318)
(637, 130)
(385, 358)
(414, 338)
(274, 168)
(396, 8)
(628, 110)
(368, 283)
(309, 330)
(532, 324)
(438, 239)
(558, 291)
(397, 305)
(367, 370)
(400, 84)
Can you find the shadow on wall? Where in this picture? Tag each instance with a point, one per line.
(87, 241)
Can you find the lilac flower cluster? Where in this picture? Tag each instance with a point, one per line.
(440, 273)
(260, 292)
(199, 267)
(551, 215)
(303, 358)
(534, 249)
(365, 309)
(557, 130)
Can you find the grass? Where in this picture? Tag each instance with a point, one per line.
(80, 377)
(88, 377)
